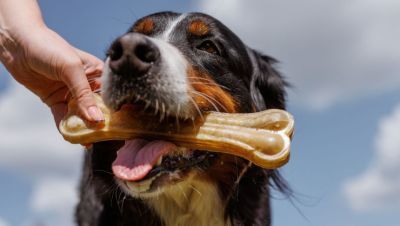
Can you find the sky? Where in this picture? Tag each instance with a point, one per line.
(341, 59)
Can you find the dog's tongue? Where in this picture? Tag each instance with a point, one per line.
(137, 157)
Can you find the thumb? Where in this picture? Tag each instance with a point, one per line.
(75, 78)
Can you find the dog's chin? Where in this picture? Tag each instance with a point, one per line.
(172, 169)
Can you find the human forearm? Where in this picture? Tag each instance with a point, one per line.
(19, 16)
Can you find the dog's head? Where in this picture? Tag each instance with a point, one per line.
(179, 66)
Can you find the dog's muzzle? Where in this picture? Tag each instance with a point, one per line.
(133, 55)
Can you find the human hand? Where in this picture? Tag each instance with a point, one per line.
(55, 71)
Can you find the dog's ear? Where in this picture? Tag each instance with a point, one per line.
(267, 86)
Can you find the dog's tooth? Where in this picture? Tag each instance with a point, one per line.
(140, 186)
(147, 105)
(162, 116)
(159, 161)
(155, 107)
(181, 150)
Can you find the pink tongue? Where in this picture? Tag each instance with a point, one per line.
(137, 157)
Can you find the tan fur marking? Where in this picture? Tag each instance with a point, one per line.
(207, 94)
(145, 26)
(198, 28)
(190, 203)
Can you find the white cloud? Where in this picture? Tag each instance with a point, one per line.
(379, 187)
(29, 141)
(30, 145)
(55, 198)
(3, 78)
(53, 195)
(331, 51)
(3, 222)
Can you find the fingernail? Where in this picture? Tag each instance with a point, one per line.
(87, 146)
(96, 114)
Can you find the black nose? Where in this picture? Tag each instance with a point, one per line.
(133, 54)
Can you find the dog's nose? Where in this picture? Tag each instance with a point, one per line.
(133, 55)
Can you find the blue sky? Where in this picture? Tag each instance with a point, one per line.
(341, 58)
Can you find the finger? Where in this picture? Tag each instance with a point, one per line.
(93, 66)
(74, 77)
(93, 72)
(59, 95)
(88, 146)
(95, 84)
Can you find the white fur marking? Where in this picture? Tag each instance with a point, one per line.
(174, 66)
(166, 35)
(106, 79)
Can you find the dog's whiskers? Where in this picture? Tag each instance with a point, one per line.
(196, 190)
(103, 171)
(113, 193)
(207, 98)
(176, 116)
(123, 200)
(156, 108)
(120, 201)
(216, 101)
(147, 105)
(184, 194)
(197, 108)
(162, 113)
(209, 82)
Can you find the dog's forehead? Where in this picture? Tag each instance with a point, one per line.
(171, 26)
(164, 25)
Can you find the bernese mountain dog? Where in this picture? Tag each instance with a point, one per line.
(180, 65)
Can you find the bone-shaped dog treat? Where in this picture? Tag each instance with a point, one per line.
(261, 137)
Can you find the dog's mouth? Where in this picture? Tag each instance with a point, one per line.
(145, 166)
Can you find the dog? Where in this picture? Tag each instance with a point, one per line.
(179, 66)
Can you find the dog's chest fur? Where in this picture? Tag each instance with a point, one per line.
(190, 203)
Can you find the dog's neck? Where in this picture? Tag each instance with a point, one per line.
(193, 202)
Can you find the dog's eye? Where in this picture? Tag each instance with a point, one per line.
(208, 46)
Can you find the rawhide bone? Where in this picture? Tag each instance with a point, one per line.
(262, 137)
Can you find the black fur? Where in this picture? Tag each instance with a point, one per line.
(253, 82)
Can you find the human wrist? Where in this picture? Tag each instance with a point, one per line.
(19, 18)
